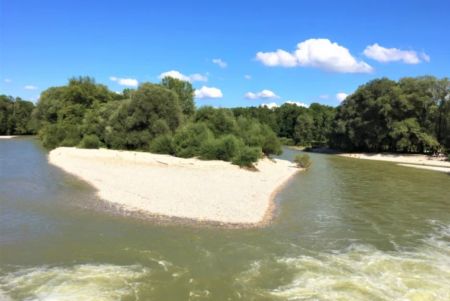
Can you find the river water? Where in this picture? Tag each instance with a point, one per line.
(346, 229)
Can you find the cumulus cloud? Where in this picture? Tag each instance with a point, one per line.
(270, 105)
(386, 55)
(264, 94)
(129, 82)
(341, 96)
(196, 77)
(248, 76)
(278, 58)
(317, 53)
(297, 103)
(208, 92)
(30, 87)
(324, 96)
(220, 63)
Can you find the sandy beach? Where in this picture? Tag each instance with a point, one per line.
(214, 191)
(408, 160)
(7, 137)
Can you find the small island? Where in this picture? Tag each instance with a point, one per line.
(214, 191)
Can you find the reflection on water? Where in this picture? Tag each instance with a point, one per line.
(346, 230)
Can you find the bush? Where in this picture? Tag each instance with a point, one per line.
(270, 142)
(90, 141)
(303, 161)
(188, 140)
(162, 145)
(225, 148)
(247, 156)
(287, 141)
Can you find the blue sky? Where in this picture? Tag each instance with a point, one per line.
(236, 53)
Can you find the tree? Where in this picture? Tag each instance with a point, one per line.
(152, 110)
(184, 91)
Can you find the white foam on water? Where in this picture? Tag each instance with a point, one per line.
(87, 282)
(362, 272)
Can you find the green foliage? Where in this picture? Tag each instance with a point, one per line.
(411, 115)
(90, 141)
(184, 91)
(188, 140)
(303, 161)
(162, 145)
(160, 118)
(16, 116)
(287, 141)
(220, 121)
(247, 156)
(224, 148)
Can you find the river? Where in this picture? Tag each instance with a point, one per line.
(346, 229)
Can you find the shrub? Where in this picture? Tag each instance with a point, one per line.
(189, 139)
(162, 145)
(287, 141)
(303, 161)
(90, 141)
(224, 148)
(270, 142)
(247, 156)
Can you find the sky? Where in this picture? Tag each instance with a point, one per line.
(235, 53)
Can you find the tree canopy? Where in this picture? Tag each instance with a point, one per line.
(411, 115)
(16, 116)
(155, 117)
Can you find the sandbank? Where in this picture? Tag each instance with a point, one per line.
(408, 160)
(7, 137)
(215, 191)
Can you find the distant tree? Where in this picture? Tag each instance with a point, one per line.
(15, 116)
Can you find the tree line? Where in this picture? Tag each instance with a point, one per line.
(15, 116)
(409, 115)
(160, 118)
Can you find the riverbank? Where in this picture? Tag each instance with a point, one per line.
(214, 191)
(7, 137)
(408, 160)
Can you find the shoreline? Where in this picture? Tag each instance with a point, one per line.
(8, 137)
(407, 160)
(166, 187)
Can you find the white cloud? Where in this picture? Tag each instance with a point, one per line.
(297, 103)
(220, 63)
(317, 53)
(129, 82)
(385, 55)
(248, 76)
(324, 96)
(278, 58)
(30, 87)
(341, 96)
(196, 77)
(270, 105)
(425, 57)
(208, 92)
(7, 80)
(264, 94)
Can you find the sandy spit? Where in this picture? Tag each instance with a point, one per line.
(408, 160)
(7, 137)
(213, 191)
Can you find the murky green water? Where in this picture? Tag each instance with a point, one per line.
(347, 230)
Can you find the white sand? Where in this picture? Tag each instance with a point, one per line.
(7, 137)
(434, 168)
(408, 160)
(186, 188)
